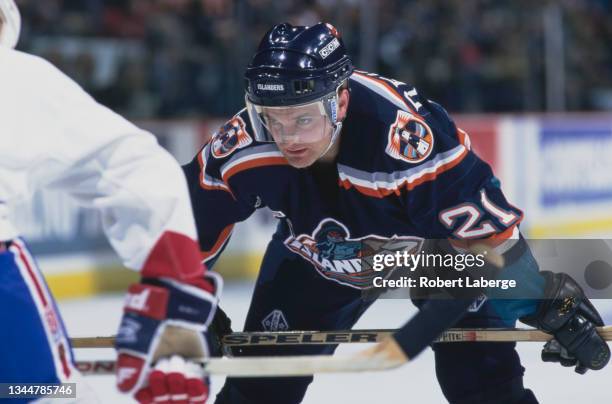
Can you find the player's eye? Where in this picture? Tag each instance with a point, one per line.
(273, 123)
(304, 121)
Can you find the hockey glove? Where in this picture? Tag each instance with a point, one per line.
(567, 314)
(163, 318)
(220, 326)
(175, 380)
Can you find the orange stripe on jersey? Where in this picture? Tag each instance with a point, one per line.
(464, 138)
(373, 192)
(499, 238)
(203, 183)
(256, 162)
(494, 241)
(202, 168)
(380, 192)
(225, 233)
(389, 88)
(444, 167)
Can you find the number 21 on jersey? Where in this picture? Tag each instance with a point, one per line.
(475, 223)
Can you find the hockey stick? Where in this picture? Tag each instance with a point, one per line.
(359, 336)
(307, 365)
(268, 366)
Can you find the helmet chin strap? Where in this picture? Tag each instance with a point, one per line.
(333, 138)
(337, 124)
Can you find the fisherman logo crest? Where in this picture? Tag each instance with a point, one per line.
(338, 257)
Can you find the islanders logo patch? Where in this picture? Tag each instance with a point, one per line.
(338, 257)
(230, 137)
(410, 139)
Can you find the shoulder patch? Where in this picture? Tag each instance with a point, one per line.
(410, 138)
(231, 136)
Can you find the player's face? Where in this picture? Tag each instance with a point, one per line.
(301, 133)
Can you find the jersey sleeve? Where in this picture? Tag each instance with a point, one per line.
(459, 197)
(61, 138)
(217, 206)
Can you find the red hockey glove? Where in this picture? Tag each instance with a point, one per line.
(163, 318)
(175, 381)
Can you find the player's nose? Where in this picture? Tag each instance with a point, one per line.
(290, 141)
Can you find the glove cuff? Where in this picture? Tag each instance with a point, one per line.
(189, 303)
(563, 300)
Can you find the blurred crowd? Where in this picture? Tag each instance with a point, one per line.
(185, 58)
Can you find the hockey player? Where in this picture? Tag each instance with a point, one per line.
(342, 155)
(56, 136)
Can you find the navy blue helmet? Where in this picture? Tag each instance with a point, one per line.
(296, 65)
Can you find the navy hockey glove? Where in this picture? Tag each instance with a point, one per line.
(568, 314)
(164, 324)
(220, 326)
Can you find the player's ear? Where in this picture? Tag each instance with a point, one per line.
(343, 100)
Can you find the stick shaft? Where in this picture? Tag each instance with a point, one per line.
(359, 336)
(267, 366)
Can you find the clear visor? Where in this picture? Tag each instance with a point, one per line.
(305, 123)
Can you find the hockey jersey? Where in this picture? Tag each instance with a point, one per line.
(55, 136)
(404, 173)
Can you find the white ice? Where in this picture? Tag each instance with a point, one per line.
(415, 382)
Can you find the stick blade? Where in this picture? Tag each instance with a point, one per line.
(269, 366)
(296, 365)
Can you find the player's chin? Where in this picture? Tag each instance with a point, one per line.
(301, 161)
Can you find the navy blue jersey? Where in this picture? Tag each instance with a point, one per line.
(404, 172)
